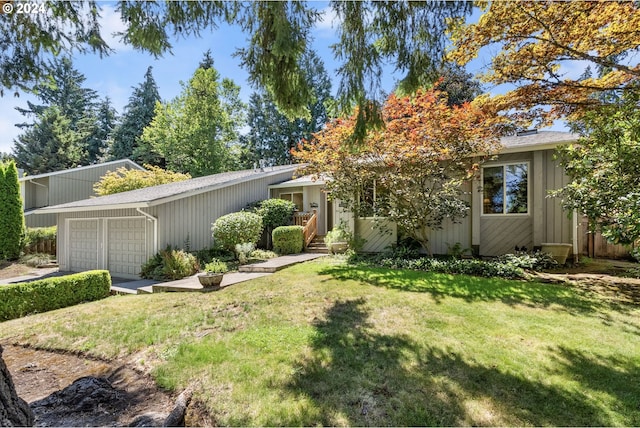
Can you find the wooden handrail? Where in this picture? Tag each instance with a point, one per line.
(309, 223)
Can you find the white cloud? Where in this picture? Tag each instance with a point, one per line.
(327, 25)
(111, 23)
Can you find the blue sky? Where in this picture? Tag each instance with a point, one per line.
(118, 73)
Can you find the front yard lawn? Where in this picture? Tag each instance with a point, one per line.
(331, 344)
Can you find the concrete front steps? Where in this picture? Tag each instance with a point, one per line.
(317, 246)
(278, 263)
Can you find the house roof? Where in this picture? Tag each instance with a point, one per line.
(536, 140)
(80, 168)
(305, 180)
(530, 141)
(156, 195)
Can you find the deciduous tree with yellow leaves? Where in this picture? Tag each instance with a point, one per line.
(123, 179)
(539, 41)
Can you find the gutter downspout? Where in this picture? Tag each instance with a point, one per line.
(155, 228)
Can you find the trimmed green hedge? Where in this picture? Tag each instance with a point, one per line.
(288, 239)
(236, 228)
(18, 300)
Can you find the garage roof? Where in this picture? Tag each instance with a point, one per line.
(131, 163)
(157, 195)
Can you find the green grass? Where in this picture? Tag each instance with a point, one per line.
(329, 344)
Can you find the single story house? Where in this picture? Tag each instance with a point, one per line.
(508, 200)
(61, 187)
(120, 232)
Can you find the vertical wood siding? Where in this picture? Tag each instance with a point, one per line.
(190, 219)
(452, 233)
(378, 236)
(74, 185)
(557, 222)
(78, 185)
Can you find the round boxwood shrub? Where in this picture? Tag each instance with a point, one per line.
(236, 228)
(288, 239)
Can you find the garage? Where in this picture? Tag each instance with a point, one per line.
(116, 244)
(122, 231)
(126, 249)
(83, 245)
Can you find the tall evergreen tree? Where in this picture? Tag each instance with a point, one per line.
(105, 122)
(64, 91)
(50, 144)
(194, 132)
(11, 214)
(272, 135)
(137, 114)
(74, 104)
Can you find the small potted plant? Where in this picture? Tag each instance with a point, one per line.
(213, 273)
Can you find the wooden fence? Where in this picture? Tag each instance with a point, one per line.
(47, 247)
(595, 245)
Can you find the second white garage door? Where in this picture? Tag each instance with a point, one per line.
(126, 243)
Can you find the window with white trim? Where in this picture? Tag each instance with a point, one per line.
(505, 189)
(373, 198)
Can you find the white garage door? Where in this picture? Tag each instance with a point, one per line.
(83, 245)
(126, 246)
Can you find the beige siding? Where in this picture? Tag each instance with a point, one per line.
(74, 185)
(501, 235)
(78, 185)
(191, 218)
(546, 221)
(558, 224)
(452, 233)
(40, 220)
(378, 235)
(310, 195)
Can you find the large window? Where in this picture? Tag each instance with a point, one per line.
(373, 199)
(296, 198)
(505, 189)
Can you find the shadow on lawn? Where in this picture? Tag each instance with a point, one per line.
(357, 376)
(471, 288)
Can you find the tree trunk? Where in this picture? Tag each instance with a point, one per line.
(14, 411)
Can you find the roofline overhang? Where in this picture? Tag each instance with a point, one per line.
(534, 147)
(164, 200)
(79, 168)
(195, 192)
(299, 184)
(54, 210)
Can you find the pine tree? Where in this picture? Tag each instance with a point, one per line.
(50, 145)
(137, 114)
(272, 135)
(73, 103)
(65, 91)
(11, 213)
(105, 123)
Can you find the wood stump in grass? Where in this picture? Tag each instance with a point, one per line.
(14, 411)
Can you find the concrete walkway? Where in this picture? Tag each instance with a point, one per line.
(191, 284)
(144, 286)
